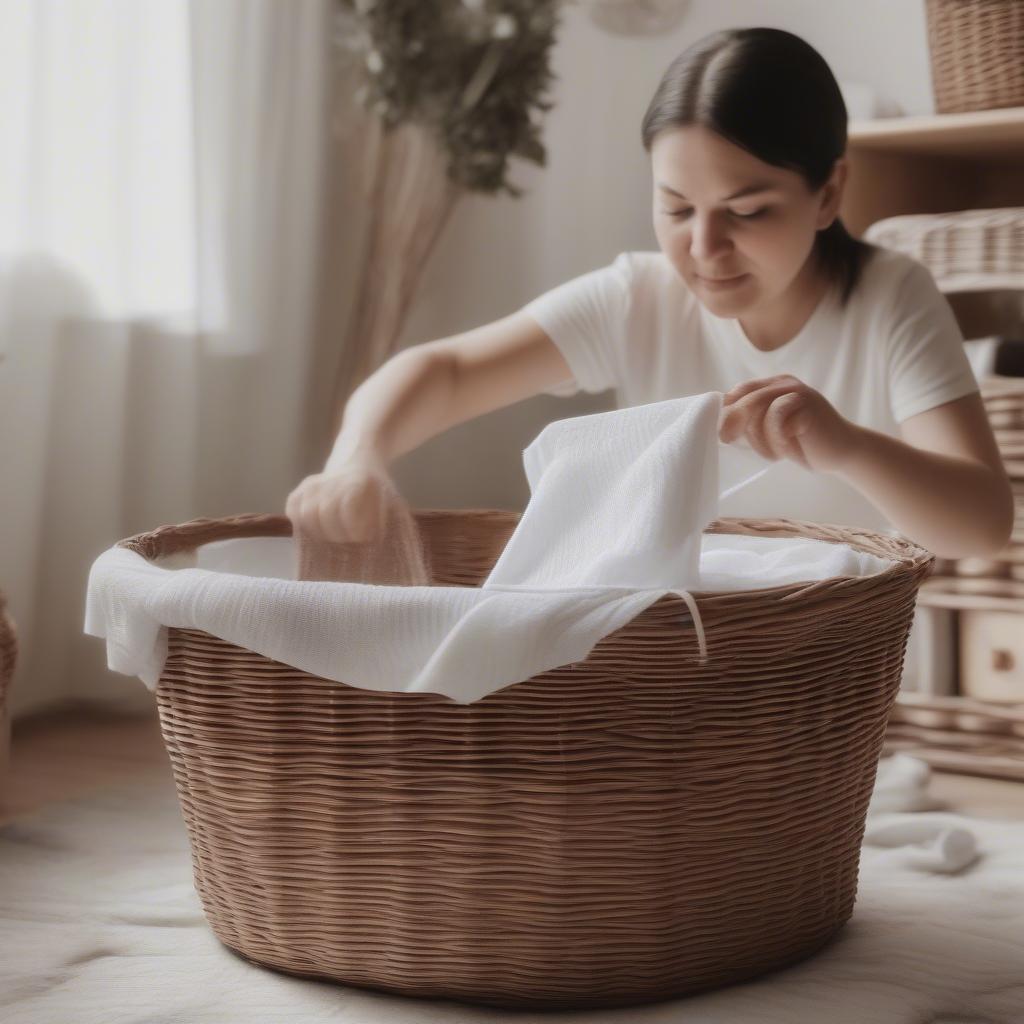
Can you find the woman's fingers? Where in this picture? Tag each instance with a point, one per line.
(770, 414)
(295, 506)
(782, 426)
(309, 521)
(322, 520)
(360, 509)
(734, 394)
(744, 417)
(345, 506)
(331, 519)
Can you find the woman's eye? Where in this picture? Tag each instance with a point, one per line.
(743, 216)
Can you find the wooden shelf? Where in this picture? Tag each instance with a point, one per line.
(933, 164)
(954, 593)
(981, 133)
(979, 737)
(925, 165)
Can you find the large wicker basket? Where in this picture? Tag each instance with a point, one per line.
(621, 830)
(977, 54)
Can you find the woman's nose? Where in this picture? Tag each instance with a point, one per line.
(708, 238)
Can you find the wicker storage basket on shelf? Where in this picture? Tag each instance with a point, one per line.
(622, 830)
(1004, 405)
(966, 250)
(977, 54)
(975, 250)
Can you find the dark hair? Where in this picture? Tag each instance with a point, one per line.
(772, 94)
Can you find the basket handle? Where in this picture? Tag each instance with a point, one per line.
(168, 540)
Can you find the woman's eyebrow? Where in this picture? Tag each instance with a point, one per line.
(760, 186)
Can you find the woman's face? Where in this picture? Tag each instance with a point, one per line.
(737, 230)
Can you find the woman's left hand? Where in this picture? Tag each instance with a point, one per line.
(783, 418)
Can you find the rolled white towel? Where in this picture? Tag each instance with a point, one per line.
(924, 844)
(901, 784)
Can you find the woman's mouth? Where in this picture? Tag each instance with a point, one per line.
(721, 283)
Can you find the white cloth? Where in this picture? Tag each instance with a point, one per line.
(894, 350)
(931, 843)
(618, 505)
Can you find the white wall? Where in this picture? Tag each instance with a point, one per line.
(592, 201)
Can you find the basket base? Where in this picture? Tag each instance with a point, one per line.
(550, 1001)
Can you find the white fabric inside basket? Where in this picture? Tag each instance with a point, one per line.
(619, 502)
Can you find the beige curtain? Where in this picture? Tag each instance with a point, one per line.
(160, 228)
(389, 199)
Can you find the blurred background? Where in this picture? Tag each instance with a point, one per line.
(217, 218)
(207, 240)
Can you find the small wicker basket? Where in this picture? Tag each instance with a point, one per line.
(966, 250)
(1004, 404)
(1004, 401)
(622, 830)
(977, 54)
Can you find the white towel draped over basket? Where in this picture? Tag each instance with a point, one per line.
(618, 505)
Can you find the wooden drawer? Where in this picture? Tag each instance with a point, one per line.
(992, 655)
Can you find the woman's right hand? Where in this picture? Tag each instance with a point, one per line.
(346, 503)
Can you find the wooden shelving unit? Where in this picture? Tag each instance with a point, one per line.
(933, 164)
(993, 131)
(939, 164)
(995, 596)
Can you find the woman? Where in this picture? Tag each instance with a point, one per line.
(839, 360)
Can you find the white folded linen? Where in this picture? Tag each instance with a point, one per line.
(931, 843)
(619, 502)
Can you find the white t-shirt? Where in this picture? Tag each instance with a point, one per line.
(893, 351)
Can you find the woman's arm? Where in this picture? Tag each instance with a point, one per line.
(434, 386)
(942, 485)
(415, 395)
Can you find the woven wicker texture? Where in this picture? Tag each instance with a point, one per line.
(622, 830)
(966, 250)
(977, 54)
(1004, 405)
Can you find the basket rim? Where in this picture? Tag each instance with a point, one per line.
(905, 556)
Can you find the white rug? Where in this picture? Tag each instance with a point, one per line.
(100, 924)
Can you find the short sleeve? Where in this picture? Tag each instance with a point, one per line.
(586, 319)
(928, 365)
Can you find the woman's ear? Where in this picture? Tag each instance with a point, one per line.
(832, 194)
